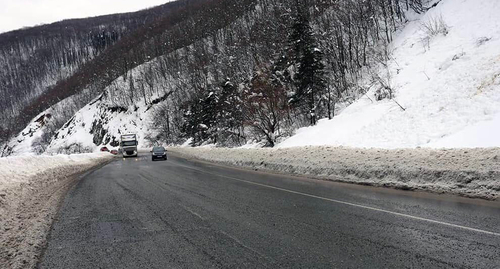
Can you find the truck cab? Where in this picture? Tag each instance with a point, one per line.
(128, 145)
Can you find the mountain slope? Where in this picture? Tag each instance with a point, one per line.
(215, 72)
(448, 83)
(149, 83)
(33, 60)
(133, 38)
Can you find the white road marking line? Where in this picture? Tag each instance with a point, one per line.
(192, 211)
(371, 208)
(245, 246)
(355, 205)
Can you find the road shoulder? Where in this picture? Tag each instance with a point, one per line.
(29, 205)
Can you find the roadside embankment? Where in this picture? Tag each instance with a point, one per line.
(31, 188)
(467, 172)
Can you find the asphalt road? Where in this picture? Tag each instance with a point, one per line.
(135, 213)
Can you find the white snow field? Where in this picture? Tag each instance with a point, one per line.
(30, 189)
(483, 134)
(448, 84)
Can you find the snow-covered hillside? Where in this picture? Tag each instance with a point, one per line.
(448, 83)
(98, 124)
(24, 142)
(444, 70)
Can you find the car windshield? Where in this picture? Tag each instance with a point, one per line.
(128, 143)
(158, 149)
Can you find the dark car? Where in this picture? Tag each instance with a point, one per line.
(104, 149)
(158, 153)
(114, 152)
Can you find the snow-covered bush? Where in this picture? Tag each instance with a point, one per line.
(480, 41)
(435, 26)
(74, 149)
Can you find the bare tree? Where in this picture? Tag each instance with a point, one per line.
(266, 107)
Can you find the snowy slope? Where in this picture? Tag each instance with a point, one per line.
(22, 144)
(448, 84)
(95, 125)
(482, 134)
(99, 124)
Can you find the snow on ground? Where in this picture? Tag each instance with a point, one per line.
(480, 135)
(447, 84)
(15, 171)
(22, 144)
(472, 173)
(30, 190)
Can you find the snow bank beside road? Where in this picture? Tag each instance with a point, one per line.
(30, 190)
(14, 171)
(470, 172)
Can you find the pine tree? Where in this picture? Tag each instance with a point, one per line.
(131, 89)
(310, 76)
(215, 116)
(200, 117)
(230, 114)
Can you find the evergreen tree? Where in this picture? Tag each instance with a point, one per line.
(311, 81)
(200, 118)
(214, 117)
(230, 113)
(310, 76)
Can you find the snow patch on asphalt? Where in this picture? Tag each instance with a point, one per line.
(467, 172)
(31, 187)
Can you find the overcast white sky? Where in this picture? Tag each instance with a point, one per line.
(15, 14)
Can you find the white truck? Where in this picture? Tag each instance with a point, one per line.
(128, 145)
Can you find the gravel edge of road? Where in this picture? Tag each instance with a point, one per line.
(473, 173)
(26, 223)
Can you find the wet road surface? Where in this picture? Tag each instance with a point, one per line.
(135, 213)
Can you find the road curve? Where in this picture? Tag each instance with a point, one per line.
(135, 213)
